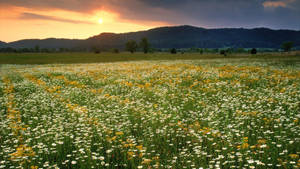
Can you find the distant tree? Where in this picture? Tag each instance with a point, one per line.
(193, 49)
(62, 49)
(287, 46)
(145, 45)
(115, 50)
(8, 50)
(253, 51)
(240, 50)
(25, 50)
(131, 46)
(201, 51)
(223, 52)
(45, 50)
(229, 50)
(95, 49)
(37, 48)
(206, 50)
(173, 51)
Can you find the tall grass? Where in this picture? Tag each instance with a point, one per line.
(64, 58)
(150, 114)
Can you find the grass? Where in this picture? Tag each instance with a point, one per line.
(236, 112)
(65, 58)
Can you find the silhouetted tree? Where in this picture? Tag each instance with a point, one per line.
(287, 46)
(131, 46)
(223, 52)
(115, 50)
(8, 50)
(253, 51)
(240, 50)
(45, 50)
(145, 45)
(37, 48)
(96, 49)
(201, 51)
(173, 51)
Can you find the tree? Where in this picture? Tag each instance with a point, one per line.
(201, 51)
(223, 52)
(253, 51)
(287, 46)
(131, 46)
(145, 45)
(96, 49)
(240, 50)
(173, 51)
(37, 48)
(115, 50)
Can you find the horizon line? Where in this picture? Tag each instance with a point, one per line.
(250, 28)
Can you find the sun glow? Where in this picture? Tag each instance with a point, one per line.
(100, 21)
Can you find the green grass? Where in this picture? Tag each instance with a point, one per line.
(65, 58)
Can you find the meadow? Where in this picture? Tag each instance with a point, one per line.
(190, 112)
(108, 57)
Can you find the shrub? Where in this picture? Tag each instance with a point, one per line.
(173, 51)
(115, 50)
(287, 46)
(223, 52)
(145, 45)
(253, 51)
(131, 46)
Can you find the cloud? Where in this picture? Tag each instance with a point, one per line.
(206, 13)
(33, 16)
(276, 4)
(270, 4)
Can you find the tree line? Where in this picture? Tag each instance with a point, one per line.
(144, 46)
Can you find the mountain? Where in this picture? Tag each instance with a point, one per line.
(2, 44)
(46, 43)
(177, 37)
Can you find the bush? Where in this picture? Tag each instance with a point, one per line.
(173, 51)
(287, 46)
(131, 46)
(253, 51)
(145, 45)
(223, 52)
(115, 50)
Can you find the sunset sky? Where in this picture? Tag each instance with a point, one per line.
(80, 19)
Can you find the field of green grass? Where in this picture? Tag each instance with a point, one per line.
(194, 111)
(67, 58)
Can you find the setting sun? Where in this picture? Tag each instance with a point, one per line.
(100, 21)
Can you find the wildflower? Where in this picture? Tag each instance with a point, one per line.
(108, 151)
(146, 161)
(294, 156)
(244, 145)
(119, 133)
(140, 147)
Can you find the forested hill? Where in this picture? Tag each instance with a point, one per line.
(175, 37)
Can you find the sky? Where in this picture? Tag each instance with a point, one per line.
(80, 19)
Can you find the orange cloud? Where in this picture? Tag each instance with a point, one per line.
(27, 23)
(271, 4)
(276, 4)
(34, 16)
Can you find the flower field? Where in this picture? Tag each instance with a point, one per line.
(150, 114)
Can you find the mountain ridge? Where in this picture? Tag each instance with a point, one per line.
(184, 36)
